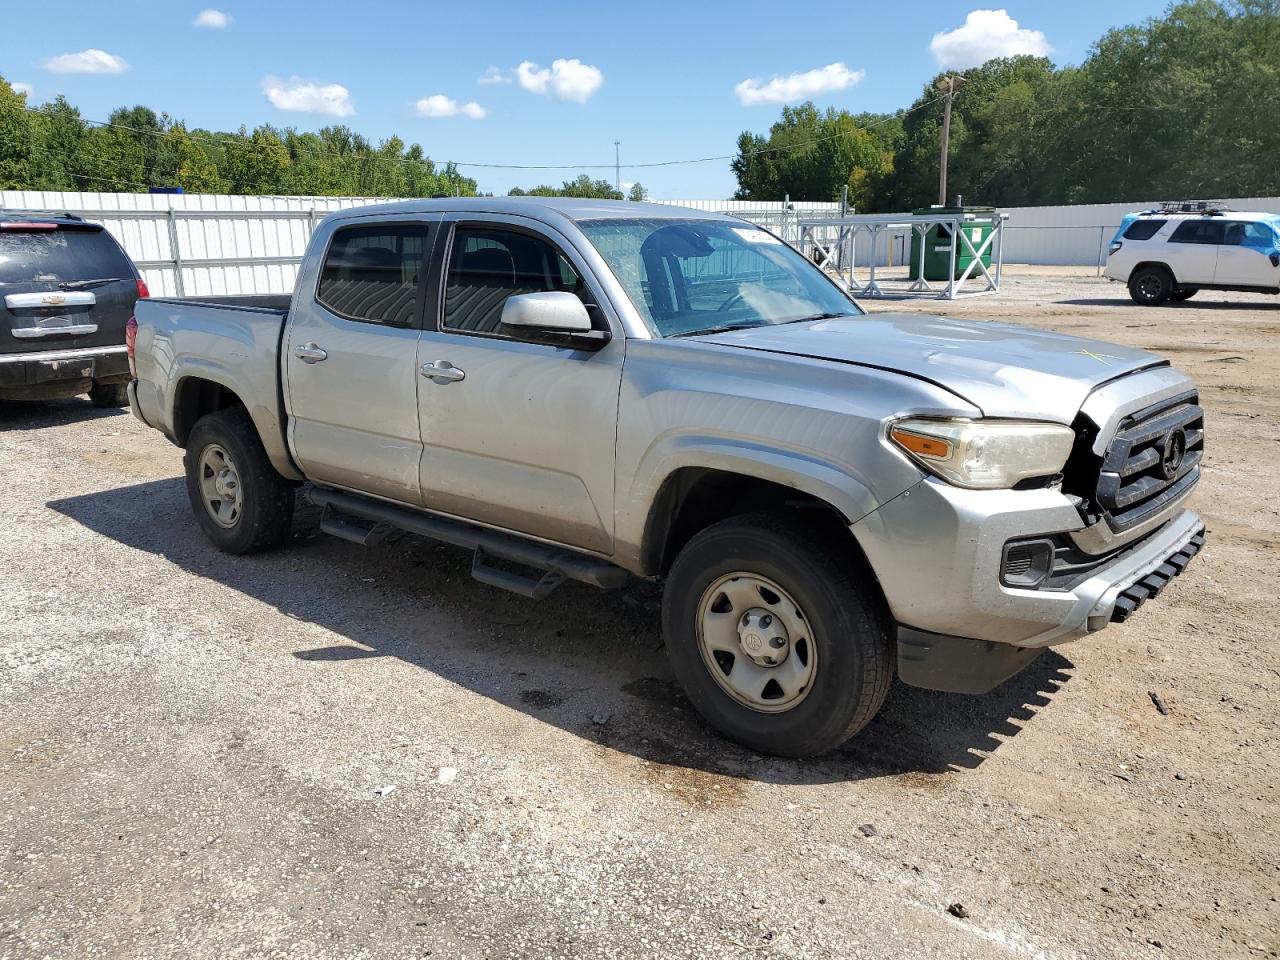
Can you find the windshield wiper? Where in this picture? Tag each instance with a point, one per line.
(82, 284)
(818, 316)
(719, 328)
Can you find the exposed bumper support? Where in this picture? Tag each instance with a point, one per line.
(956, 664)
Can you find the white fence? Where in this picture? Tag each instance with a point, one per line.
(211, 245)
(206, 244)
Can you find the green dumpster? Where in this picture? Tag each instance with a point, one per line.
(977, 224)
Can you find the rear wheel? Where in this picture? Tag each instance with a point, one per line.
(1150, 286)
(109, 394)
(1183, 293)
(240, 502)
(776, 636)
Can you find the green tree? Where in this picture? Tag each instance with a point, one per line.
(256, 163)
(16, 140)
(582, 186)
(814, 155)
(637, 193)
(193, 169)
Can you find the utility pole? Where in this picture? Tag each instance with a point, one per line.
(948, 86)
(617, 168)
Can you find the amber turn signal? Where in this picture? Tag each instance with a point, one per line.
(932, 447)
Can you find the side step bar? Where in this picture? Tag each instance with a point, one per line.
(365, 521)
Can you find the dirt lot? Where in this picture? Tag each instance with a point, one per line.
(193, 747)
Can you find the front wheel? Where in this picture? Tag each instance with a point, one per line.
(1150, 286)
(778, 639)
(240, 502)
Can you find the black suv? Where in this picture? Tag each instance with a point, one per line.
(67, 291)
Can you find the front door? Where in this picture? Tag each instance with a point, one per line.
(351, 360)
(1244, 259)
(518, 435)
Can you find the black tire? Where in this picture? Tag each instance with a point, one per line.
(840, 602)
(1183, 293)
(265, 514)
(1150, 286)
(109, 395)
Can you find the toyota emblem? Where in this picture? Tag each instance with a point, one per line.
(1175, 450)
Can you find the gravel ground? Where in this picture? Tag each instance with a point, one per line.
(334, 752)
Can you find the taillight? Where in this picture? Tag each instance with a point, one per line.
(1115, 246)
(131, 340)
(142, 289)
(25, 225)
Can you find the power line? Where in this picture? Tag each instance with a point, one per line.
(238, 140)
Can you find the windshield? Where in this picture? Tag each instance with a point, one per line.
(703, 276)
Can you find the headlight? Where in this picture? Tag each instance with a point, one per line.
(985, 454)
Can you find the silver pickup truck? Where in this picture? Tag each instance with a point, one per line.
(592, 390)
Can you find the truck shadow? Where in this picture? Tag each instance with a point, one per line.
(587, 662)
(38, 414)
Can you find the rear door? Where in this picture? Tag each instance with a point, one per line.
(62, 286)
(1245, 256)
(350, 359)
(521, 435)
(1192, 251)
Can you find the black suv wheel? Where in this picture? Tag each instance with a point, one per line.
(1150, 286)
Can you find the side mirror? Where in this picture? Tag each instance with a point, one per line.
(555, 317)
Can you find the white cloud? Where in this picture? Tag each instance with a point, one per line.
(438, 105)
(301, 96)
(565, 79)
(213, 18)
(984, 35)
(24, 88)
(86, 61)
(798, 86)
(494, 75)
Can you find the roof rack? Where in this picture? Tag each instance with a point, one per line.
(1208, 208)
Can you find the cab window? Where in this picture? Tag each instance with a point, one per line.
(488, 265)
(371, 273)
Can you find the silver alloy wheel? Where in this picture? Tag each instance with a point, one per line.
(220, 487)
(756, 642)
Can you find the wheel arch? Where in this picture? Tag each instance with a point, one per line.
(692, 498)
(197, 394)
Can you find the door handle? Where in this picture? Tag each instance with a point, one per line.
(442, 371)
(309, 353)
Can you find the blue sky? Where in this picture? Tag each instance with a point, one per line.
(669, 80)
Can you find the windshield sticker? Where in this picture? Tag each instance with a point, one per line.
(755, 236)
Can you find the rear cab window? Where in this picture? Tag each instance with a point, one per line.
(1144, 229)
(371, 273)
(32, 255)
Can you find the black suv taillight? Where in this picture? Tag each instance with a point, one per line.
(131, 344)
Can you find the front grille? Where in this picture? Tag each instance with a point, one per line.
(1153, 459)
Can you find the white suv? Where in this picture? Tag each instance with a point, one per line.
(1171, 253)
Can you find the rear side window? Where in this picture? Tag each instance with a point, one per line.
(1198, 231)
(488, 265)
(68, 253)
(1144, 229)
(371, 273)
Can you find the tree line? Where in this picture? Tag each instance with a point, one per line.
(1181, 106)
(52, 147)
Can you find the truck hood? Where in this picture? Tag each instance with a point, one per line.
(1005, 371)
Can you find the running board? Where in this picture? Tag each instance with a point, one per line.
(367, 521)
(367, 533)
